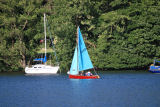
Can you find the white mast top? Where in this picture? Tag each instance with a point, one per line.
(45, 32)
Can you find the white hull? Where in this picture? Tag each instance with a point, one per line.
(40, 68)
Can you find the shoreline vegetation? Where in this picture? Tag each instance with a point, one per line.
(98, 71)
(119, 34)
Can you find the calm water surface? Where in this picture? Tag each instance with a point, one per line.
(122, 89)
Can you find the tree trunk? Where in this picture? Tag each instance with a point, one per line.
(23, 61)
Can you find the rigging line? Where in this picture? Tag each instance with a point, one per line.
(57, 62)
(52, 41)
(95, 71)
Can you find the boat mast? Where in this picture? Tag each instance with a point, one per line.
(45, 33)
(77, 49)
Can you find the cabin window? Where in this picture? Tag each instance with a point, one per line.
(35, 67)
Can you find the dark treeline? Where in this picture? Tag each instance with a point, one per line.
(119, 34)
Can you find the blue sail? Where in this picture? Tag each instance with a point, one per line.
(84, 61)
(74, 66)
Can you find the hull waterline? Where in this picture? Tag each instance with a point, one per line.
(83, 77)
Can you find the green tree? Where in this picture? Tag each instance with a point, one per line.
(126, 35)
(119, 34)
(20, 20)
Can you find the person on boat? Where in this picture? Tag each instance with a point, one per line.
(81, 73)
(68, 72)
(89, 73)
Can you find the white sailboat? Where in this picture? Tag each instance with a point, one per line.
(42, 68)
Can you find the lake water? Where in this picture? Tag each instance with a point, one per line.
(114, 89)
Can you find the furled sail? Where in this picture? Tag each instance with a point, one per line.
(41, 59)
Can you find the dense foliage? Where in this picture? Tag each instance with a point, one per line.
(119, 34)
